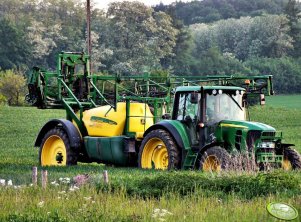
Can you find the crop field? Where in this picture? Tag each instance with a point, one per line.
(140, 195)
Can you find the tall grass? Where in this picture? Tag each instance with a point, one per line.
(34, 204)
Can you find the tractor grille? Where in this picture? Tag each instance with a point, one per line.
(270, 134)
(252, 136)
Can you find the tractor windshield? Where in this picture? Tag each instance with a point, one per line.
(221, 105)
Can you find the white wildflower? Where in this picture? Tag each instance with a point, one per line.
(87, 198)
(9, 183)
(160, 213)
(41, 204)
(54, 183)
(73, 188)
(65, 180)
(166, 211)
(156, 210)
(2, 182)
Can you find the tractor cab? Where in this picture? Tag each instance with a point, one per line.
(202, 108)
(209, 104)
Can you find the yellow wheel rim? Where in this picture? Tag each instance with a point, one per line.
(53, 152)
(286, 165)
(211, 164)
(154, 155)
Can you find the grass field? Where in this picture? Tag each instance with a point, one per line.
(285, 101)
(136, 195)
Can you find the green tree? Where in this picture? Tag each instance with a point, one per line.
(293, 13)
(43, 40)
(12, 87)
(286, 72)
(138, 37)
(262, 36)
(14, 49)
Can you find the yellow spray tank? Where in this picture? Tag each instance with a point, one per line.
(108, 130)
(104, 121)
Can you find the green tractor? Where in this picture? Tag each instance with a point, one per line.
(208, 125)
(124, 121)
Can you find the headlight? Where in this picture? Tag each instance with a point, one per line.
(266, 145)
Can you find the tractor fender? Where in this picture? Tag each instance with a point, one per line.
(176, 130)
(286, 145)
(71, 130)
(209, 145)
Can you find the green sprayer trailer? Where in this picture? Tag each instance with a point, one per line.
(154, 121)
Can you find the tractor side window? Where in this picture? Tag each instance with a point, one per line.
(188, 106)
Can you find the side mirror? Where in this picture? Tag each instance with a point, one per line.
(262, 99)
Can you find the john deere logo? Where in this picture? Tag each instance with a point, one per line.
(102, 120)
(282, 211)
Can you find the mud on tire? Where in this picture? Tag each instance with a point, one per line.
(214, 159)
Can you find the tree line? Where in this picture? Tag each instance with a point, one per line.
(206, 37)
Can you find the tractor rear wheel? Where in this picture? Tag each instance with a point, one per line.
(292, 159)
(55, 149)
(214, 159)
(158, 150)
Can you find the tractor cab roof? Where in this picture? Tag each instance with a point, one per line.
(199, 88)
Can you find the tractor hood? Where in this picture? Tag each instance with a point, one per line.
(239, 135)
(246, 125)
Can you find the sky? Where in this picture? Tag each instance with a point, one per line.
(104, 3)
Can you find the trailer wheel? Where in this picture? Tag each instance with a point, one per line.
(158, 150)
(292, 159)
(55, 149)
(214, 159)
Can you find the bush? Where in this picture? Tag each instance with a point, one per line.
(12, 88)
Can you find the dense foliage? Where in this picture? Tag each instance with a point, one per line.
(195, 38)
(207, 11)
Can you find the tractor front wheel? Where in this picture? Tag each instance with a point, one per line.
(214, 159)
(291, 159)
(158, 150)
(55, 149)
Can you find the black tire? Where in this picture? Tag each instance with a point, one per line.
(51, 154)
(148, 150)
(293, 157)
(214, 159)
